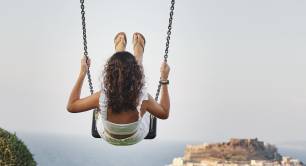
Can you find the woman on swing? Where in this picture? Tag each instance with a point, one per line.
(123, 103)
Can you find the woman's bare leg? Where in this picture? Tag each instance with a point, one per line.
(120, 42)
(139, 44)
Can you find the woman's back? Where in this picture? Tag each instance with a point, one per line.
(123, 117)
(126, 125)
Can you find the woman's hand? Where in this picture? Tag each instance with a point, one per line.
(84, 66)
(160, 109)
(164, 71)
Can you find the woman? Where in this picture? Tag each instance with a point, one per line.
(123, 103)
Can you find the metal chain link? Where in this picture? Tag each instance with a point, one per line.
(85, 44)
(153, 118)
(95, 112)
(167, 43)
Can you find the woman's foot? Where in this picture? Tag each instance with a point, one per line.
(138, 45)
(120, 42)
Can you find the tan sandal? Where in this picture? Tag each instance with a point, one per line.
(117, 42)
(136, 41)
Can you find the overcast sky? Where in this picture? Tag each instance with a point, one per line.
(238, 68)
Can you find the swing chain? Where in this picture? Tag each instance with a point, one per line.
(85, 44)
(167, 43)
(169, 30)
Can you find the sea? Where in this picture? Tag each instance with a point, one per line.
(75, 150)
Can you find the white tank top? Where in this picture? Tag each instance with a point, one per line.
(120, 129)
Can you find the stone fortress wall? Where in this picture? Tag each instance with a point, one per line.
(235, 152)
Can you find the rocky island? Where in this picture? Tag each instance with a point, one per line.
(236, 152)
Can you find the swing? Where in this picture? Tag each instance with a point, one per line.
(153, 120)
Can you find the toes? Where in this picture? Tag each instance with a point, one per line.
(119, 37)
(135, 38)
(141, 39)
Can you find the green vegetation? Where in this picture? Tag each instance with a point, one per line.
(13, 152)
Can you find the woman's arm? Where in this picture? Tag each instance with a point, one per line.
(165, 100)
(162, 109)
(75, 104)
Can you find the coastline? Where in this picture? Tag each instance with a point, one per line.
(65, 150)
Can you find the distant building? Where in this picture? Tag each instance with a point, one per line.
(236, 152)
(177, 162)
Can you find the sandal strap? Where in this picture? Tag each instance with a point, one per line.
(115, 39)
(144, 41)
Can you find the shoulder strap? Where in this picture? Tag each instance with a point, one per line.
(143, 96)
(102, 105)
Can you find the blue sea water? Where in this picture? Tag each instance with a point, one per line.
(64, 150)
(297, 153)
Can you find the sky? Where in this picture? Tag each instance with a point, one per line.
(237, 67)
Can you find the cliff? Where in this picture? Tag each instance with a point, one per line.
(13, 152)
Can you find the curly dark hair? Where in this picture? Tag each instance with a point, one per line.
(123, 80)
